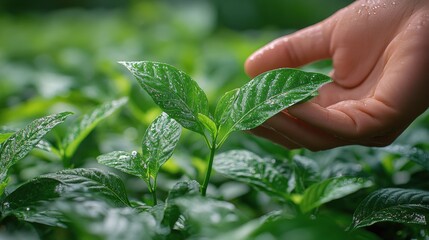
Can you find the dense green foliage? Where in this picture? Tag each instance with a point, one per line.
(95, 174)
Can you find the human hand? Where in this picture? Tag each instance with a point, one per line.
(380, 54)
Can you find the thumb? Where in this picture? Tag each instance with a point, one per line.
(299, 48)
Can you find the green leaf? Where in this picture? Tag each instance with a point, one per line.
(208, 124)
(208, 216)
(393, 205)
(180, 189)
(267, 95)
(29, 202)
(223, 107)
(98, 220)
(130, 163)
(173, 90)
(306, 172)
(23, 141)
(159, 142)
(298, 228)
(268, 175)
(331, 189)
(5, 136)
(414, 154)
(80, 130)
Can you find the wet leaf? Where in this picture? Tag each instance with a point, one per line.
(223, 107)
(173, 90)
(268, 175)
(159, 142)
(331, 189)
(393, 205)
(24, 140)
(131, 163)
(80, 130)
(265, 96)
(30, 201)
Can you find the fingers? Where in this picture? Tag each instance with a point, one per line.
(353, 119)
(299, 48)
(272, 135)
(293, 133)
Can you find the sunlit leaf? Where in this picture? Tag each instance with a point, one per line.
(80, 130)
(29, 202)
(268, 175)
(393, 205)
(331, 189)
(23, 141)
(265, 96)
(173, 90)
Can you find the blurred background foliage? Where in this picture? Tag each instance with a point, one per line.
(61, 55)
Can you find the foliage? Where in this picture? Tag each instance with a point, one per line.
(83, 178)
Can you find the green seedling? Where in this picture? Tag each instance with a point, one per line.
(245, 108)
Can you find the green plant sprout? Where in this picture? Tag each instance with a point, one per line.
(179, 96)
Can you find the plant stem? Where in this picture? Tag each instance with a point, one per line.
(152, 190)
(209, 168)
(154, 197)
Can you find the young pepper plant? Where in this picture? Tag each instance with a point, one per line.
(247, 107)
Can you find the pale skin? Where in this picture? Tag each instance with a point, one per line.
(380, 54)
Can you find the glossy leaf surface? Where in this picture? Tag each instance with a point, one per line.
(173, 90)
(331, 189)
(159, 142)
(30, 201)
(265, 96)
(268, 175)
(393, 205)
(130, 163)
(23, 141)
